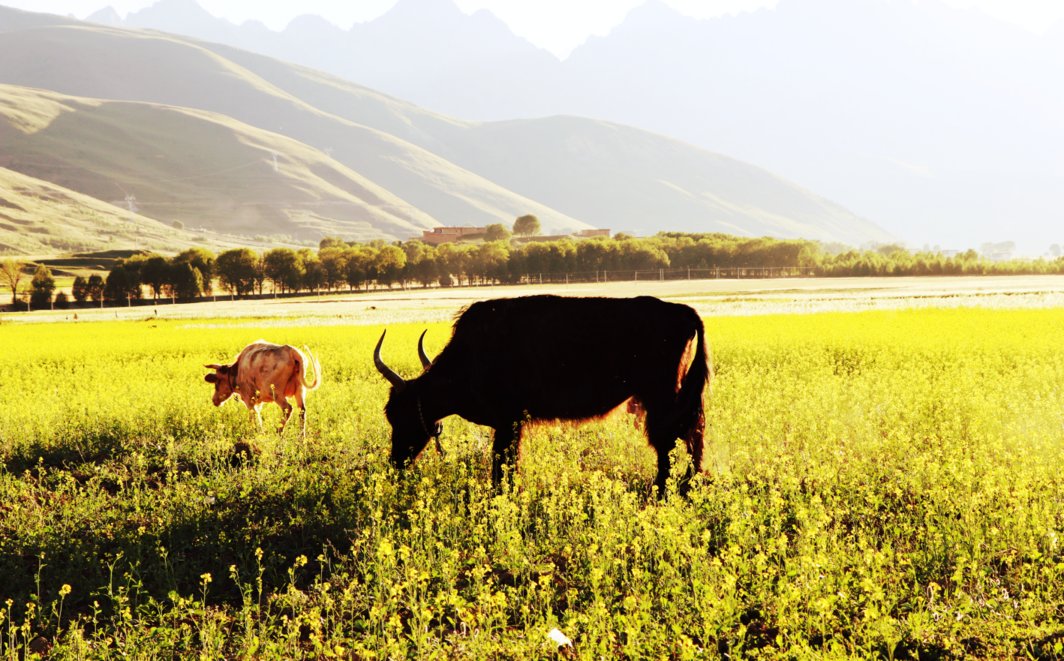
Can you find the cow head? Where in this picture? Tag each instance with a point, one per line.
(405, 410)
(222, 378)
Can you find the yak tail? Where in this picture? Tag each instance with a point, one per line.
(690, 410)
(317, 371)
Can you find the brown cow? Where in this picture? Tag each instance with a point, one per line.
(266, 372)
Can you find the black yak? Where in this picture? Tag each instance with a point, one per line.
(517, 360)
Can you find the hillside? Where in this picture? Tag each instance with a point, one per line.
(105, 63)
(40, 218)
(640, 178)
(609, 175)
(198, 108)
(938, 122)
(199, 168)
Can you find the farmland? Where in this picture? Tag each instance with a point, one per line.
(883, 481)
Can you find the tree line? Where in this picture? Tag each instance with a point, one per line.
(342, 265)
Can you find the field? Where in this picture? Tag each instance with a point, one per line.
(878, 483)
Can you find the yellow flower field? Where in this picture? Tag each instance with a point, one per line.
(876, 484)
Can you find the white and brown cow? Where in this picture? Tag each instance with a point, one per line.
(265, 372)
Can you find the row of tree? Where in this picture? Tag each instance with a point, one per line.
(341, 265)
(42, 283)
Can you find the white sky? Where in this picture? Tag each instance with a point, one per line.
(556, 25)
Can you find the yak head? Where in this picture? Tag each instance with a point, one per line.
(224, 383)
(406, 411)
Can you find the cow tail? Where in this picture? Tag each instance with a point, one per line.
(317, 371)
(690, 407)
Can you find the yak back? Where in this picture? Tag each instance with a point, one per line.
(552, 357)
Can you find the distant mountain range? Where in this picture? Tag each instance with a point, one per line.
(209, 136)
(940, 124)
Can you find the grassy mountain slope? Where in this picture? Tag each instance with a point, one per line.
(40, 218)
(107, 63)
(570, 172)
(606, 174)
(628, 179)
(200, 168)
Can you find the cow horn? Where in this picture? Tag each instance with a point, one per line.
(385, 371)
(214, 367)
(425, 361)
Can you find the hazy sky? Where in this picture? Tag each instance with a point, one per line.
(556, 25)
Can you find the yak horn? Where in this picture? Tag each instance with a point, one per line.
(385, 371)
(425, 361)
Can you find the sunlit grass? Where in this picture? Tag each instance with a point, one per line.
(876, 484)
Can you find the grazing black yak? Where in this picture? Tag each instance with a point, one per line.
(517, 360)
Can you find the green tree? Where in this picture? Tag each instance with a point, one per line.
(331, 242)
(641, 256)
(491, 261)
(238, 270)
(80, 289)
(313, 270)
(389, 264)
(203, 261)
(11, 270)
(155, 272)
(421, 263)
(455, 260)
(94, 287)
(496, 232)
(42, 286)
(186, 281)
(334, 262)
(284, 267)
(123, 283)
(359, 268)
(526, 225)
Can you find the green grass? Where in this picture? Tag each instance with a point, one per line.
(877, 484)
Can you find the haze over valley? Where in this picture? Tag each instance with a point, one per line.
(854, 122)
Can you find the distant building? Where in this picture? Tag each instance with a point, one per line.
(579, 234)
(998, 252)
(438, 235)
(591, 233)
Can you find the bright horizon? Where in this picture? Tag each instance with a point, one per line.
(559, 26)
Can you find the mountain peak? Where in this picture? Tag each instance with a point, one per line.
(176, 12)
(423, 10)
(105, 16)
(312, 23)
(655, 11)
(653, 16)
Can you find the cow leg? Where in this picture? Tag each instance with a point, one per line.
(504, 451)
(255, 416)
(302, 413)
(286, 410)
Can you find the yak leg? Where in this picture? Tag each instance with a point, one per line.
(504, 451)
(664, 466)
(661, 434)
(695, 440)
